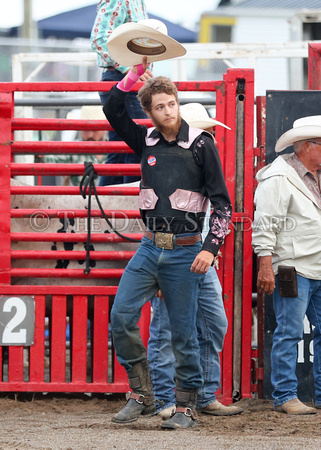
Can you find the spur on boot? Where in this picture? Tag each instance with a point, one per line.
(141, 401)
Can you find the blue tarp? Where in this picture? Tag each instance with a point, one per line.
(79, 22)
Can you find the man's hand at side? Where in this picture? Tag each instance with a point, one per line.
(202, 262)
(265, 276)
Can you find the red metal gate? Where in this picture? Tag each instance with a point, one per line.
(66, 297)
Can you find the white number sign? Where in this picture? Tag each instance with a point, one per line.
(17, 320)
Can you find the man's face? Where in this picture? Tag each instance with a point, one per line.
(211, 131)
(314, 154)
(165, 113)
(93, 135)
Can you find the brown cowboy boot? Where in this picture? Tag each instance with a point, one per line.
(295, 407)
(185, 414)
(141, 401)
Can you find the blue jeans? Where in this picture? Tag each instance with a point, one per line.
(135, 111)
(151, 269)
(289, 314)
(211, 325)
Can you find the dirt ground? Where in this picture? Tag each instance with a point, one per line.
(37, 421)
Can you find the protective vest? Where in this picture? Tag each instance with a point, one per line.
(172, 183)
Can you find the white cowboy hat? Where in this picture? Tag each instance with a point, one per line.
(129, 42)
(196, 116)
(303, 129)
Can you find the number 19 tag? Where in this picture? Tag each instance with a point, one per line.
(17, 320)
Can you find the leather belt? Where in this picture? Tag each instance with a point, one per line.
(168, 240)
(109, 69)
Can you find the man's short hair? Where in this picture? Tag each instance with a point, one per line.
(298, 145)
(157, 85)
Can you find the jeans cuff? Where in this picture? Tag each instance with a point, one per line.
(161, 408)
(277, 402)
(207, 403)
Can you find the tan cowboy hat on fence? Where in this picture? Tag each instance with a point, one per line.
(196, 116)
(303, 129)
(129, 42)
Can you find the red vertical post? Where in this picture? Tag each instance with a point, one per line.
(79, 339)
(221, 138)
(37, 351)
(15, 364)
(100, 339)
(241, 132)
(314, 66)
(6, 136)
(221, 132)
(58, 339)
(228, 250)
(247, 233)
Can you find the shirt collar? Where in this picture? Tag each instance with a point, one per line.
(299, 166)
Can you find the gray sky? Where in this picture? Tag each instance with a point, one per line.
(184, 12)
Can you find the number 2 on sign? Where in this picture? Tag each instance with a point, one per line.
(9, 336)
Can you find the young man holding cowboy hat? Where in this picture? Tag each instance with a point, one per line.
(211, 323)
(287, 240)
(181, 172)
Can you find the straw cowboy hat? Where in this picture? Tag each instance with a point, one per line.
(92, 112)
(129, 42)
(89, 112)
(303, 129)
(196, 116)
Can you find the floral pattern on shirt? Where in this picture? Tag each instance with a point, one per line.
(111, 14)
(219, 225)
